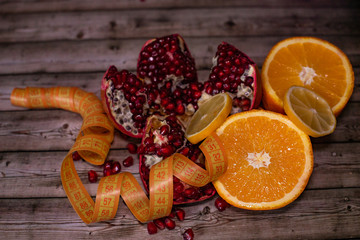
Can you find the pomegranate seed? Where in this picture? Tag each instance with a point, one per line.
(160, 223)
(191, 193)
(208, 189)
(169, 223)
(76, 156)
(180, 199)
(129, 161)
(108, 164)
(249, 81)
(148, 141)
(180, 214)
(175, 179)
(197, 94)
(170, 107)
(92, 176)
(132, 147)
(164, 130)
(172, 214)
(178, 187)
(221, 204)
(151, 227)
(176, 195)
(188, 234)
(107, 172)
(218, 85)
(166, 151)
(115, 168)
(180, 109)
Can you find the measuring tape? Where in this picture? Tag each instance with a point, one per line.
(93, 144)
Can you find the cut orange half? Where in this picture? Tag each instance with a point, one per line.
(210, 115)
(310, 112)
(270, 160)
(310, 62)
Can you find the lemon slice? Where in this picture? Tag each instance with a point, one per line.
(310, 112)
(210, 115)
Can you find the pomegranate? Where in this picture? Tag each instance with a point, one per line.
(166, 59)
(164, 135)
(124, 100)
(235, 73)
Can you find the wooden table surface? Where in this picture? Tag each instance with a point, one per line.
(71, 43)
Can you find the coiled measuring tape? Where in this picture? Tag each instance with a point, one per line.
(93, 144)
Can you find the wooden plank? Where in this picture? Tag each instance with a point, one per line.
(224, 22)
(49, 130)
(96, 56)
(37, 174)
(317, 214)
(22, 6)
(45, 130)
(89, 82)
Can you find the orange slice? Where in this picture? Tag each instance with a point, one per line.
(310, 62)
(310, 112)
(270, 160)
(210, 115)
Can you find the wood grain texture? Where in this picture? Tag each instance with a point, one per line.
(47, 43)
(330, 213)
(91, 56)
(89, 82)
(142, 23)
(49, 130)
(36, 174)
(21, 6)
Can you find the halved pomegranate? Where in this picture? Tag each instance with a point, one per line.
(235, 73)
(125, 101)
(166, 59)
(166, 66)
(164, 135)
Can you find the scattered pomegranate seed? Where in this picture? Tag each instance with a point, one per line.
(108, 164)
(129, 161)
(151, 227)
(221, 204)
(107, 172)
(160, 223)
(115, 168)
(76, 156)
(92, 176)
(188, 234)
(172, 214)
(132, 147)
(180, 214)
(169, 223)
